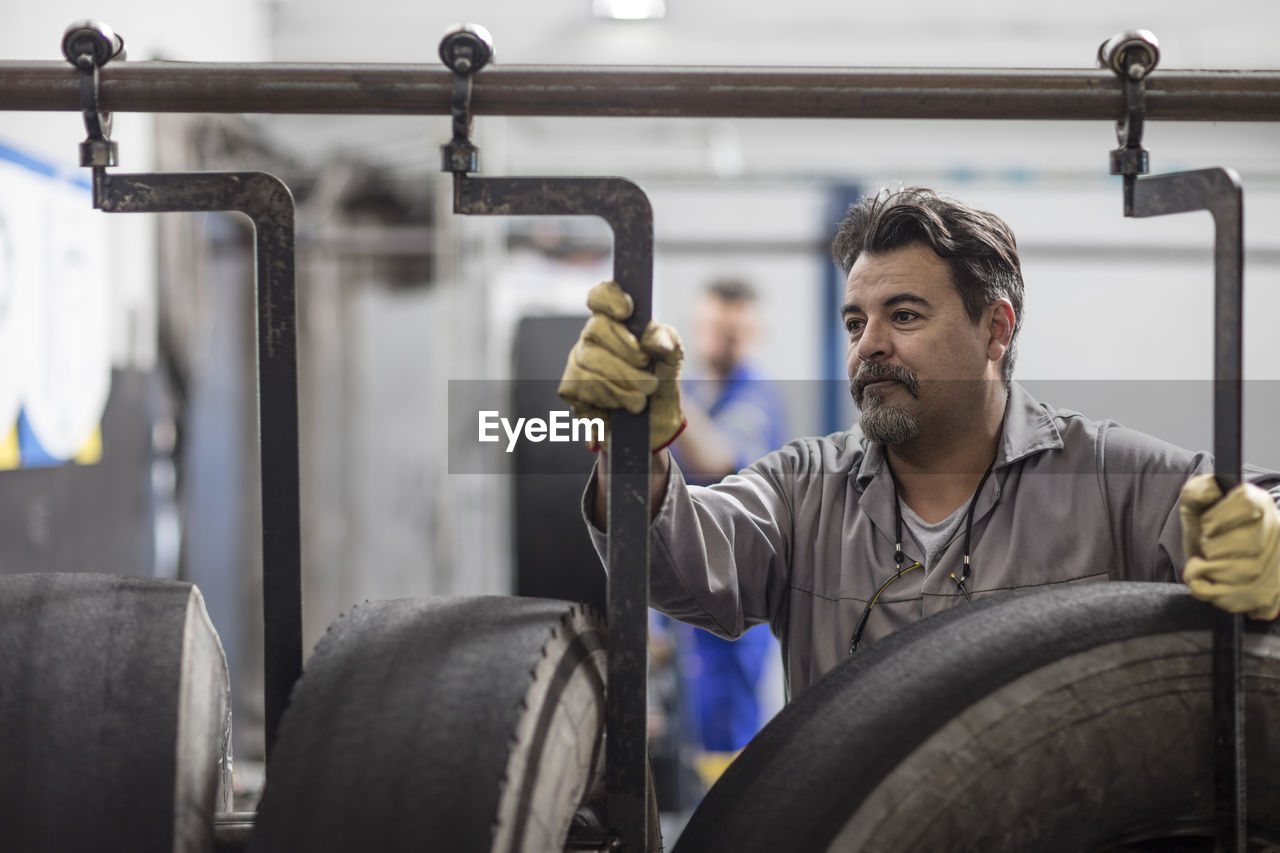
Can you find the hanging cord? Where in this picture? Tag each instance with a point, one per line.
(866, 613)
(968, 534)
(899, 558)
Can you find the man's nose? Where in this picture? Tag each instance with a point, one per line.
(872, 344)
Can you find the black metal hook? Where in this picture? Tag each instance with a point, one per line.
(1132, 55)
(465, 49)
(1129, 129)
(89, 45)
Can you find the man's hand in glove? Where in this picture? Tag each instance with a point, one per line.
(609, 369)
(1232, 545)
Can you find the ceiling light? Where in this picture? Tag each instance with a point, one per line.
(629, 10)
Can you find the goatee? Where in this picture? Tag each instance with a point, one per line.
(882, 423)
(887, 425)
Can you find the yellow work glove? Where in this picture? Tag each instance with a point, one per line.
(609, 369)
(1232, 546)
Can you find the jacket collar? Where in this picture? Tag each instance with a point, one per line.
(1028, 428)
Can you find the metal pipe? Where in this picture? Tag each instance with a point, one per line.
(625, 207)
(269, 204)
(1219, 192)
(685, 92)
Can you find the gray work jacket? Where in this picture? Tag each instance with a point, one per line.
(802, 538)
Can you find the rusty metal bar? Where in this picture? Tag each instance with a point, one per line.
(269, 204)
(625, 207)
(1218, 191)
(687, 92)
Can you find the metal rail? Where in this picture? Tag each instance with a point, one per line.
(681, 92)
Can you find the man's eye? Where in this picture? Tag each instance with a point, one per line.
(853, 325)
(904, 316)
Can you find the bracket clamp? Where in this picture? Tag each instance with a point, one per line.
(1132, 55)
(89, 45)
(465, 49)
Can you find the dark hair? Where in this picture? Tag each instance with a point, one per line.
(733, 290)
(978, 246)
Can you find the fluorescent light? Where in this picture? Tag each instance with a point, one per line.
(629, 10)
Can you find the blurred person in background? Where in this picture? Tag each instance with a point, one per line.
(735, 415)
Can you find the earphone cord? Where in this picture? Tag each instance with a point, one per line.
(899, 557)
(968, 534)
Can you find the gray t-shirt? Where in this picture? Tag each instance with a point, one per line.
(933, 539)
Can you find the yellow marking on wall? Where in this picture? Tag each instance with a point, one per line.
(91, 453)
(10, 458)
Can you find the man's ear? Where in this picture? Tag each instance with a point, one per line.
(1000, 322)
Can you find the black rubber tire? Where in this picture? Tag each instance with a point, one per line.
(115, 720)
(1059, 720)
(440, 724)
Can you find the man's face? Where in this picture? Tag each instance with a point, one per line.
(917, 363)
(723, 332)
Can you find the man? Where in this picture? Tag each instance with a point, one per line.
(735, 415)
(961, 485)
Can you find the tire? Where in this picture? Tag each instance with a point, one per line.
(115, 721)
(1074, 719)
(463, 724)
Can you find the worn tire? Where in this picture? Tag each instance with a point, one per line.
(469, 724)
(1075, 719)
(115, 721)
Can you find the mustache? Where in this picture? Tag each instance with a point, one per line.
(875, 371)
